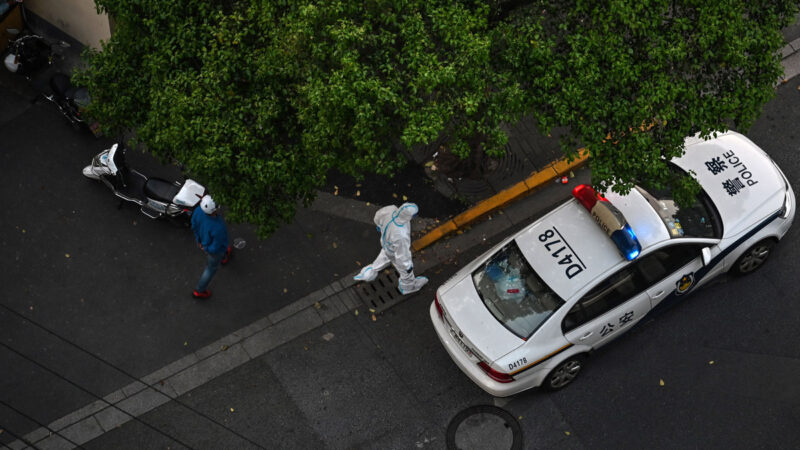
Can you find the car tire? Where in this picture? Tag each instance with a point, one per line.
(752, 259)
(564, 373)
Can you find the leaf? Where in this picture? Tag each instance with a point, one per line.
(660, 382)
(66, 255)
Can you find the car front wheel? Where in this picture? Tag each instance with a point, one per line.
(753, 258)
(565, 373)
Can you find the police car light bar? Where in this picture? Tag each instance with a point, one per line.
(610, 220)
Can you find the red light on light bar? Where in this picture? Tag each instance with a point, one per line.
(585, 195)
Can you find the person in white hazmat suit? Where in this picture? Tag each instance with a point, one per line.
(394, 224)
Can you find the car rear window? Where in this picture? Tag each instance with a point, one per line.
(514, 293)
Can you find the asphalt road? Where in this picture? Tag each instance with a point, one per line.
(728, 356)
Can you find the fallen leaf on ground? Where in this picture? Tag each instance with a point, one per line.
(405, 198)
(334, 245)
(374, 319)
(711, 362)
(317, 305)
(660, 382)
(231, 409)
(285, 290)
(394, 195)
(567, 433)
(66, 255)
(356, 312)
(358, 193)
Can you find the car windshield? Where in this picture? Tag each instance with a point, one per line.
(513, 293)
(699, 221)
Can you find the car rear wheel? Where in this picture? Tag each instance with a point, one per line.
(565, 373)
(753, 258)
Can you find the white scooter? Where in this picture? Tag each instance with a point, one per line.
(157, 197)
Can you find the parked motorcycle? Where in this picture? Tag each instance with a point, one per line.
(70, 100)
(30, 53)
(156, 197)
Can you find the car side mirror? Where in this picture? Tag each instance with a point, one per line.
(706, 256)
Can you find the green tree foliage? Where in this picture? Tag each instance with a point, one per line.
(260, 99)
(632, 78)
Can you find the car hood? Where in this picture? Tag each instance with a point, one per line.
(742, 181)
(473, 323)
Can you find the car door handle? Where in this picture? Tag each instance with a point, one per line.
(658, 294)
(585, 336)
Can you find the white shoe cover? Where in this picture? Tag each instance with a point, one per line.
(368, 273)
(419, 282)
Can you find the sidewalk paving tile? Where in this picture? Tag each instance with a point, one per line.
(37, 434)
(349, 299)
(207, 369)
(331, 308)
(253, 328)
(54, 442)
(133, 388)
(170, 369)
(282, 332)
(143, 402)
(78, 415)
(111, 418)
(83, 431)
(294, 308)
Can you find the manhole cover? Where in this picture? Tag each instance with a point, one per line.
(380, 294)
(484, 427)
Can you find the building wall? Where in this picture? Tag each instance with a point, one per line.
(77, 18)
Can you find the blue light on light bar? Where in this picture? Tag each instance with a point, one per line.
(626, 242)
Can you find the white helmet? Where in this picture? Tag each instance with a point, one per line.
(208, 205)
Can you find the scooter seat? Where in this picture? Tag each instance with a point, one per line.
(159, 189)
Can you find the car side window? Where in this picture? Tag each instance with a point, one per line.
(662, 262)
(631, 280)
(606, 296)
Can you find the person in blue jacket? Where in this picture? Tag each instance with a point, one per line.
(211, 235)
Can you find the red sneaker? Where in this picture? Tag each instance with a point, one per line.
(204, 294)
(227, 256)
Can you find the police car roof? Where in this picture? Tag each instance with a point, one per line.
(568, 249)
(740, 178)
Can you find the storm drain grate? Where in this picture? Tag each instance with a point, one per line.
(381, 294)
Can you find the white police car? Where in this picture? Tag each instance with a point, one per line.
(527, 312)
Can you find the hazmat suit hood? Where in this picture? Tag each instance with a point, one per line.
(400, 216)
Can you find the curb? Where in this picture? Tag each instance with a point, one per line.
(535, 180)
